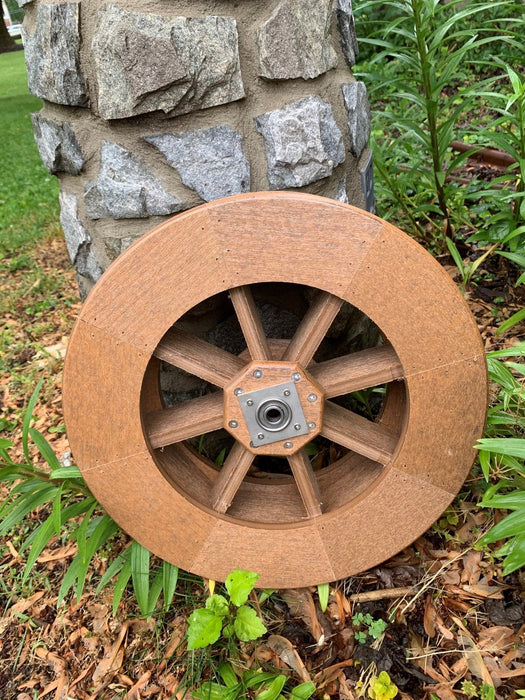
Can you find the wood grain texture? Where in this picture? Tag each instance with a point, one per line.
(350, 430)
(357, 371)
(230, 477)
(313, 328)
(306, 483)
(185, 420)
(250, 323)
(198, 357)
(424, 435)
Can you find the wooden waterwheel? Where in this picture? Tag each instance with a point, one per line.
(271, 505)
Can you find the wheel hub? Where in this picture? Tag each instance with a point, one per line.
(273, 407)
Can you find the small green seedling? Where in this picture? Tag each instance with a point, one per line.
(368, 627)
(382, 687)
(229, 617)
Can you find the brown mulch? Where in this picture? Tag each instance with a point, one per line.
(451, 616)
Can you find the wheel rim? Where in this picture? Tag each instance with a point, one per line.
(401, 472)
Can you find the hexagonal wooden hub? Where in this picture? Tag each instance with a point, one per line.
(273, 408)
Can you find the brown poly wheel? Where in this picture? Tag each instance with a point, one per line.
(389, 479)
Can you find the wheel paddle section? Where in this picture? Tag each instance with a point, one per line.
(307, 487)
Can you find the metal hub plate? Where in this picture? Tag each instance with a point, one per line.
(273, 414)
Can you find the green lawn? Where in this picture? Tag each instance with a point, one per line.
(28, 193)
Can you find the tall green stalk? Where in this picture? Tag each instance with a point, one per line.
(431, 105)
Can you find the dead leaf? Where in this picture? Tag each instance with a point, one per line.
(496, 639)
(327, 675)
(474, 660)
(285, 651)
(471, 571)
(24, 604)
(429, 617)
(142, 681)
(112, 659)
(302, 606)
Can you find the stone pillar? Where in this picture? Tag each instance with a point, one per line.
(152, 108)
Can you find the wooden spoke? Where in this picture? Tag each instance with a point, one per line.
(357, 371)
(186, 420)
(306, 482)
(250, 322)
(198, 357)
(360, 435)
(313, 328)
(230, 477)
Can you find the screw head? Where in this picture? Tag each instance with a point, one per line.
(297, 426)
(311, 425)
(287, 392)
(249, 402)
(312, 397)
(238, 391)
(288, 445)
(233, 424)
(260, 436)
(257, 374)
(296, 376)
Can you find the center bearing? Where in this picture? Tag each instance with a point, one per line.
(273, 414)
(273, 407)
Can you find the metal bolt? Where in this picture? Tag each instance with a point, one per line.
(249, 402)
(312, 397)
(257, 374)
(260, 436)
(287, 392)
(311, 425)
(296, 376)
(233, 424)
(238, 391)
(288, 445)
(297, 426)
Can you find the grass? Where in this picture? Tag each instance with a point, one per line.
(37, 290)
(29, 208)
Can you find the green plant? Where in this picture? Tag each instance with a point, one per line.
(507, 133)
(418, 55)
(323, 592)
(502, 456)
(367, 626)
(229, 617)
(428, 44)
(469, 689)
(382, 687)
(467, 270)
(69, 512)
(238, 683)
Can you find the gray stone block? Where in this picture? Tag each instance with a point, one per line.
(114, 246)
(357, 115)
(21, 3)
(302, 142)
(341, 193)
(209, 161)
(52, 55)
(295, 41)
(125, 189)
(78, 240)
(146, 62)
(57, 145)
(346, 25)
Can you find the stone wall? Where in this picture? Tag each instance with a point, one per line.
(155, 106)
